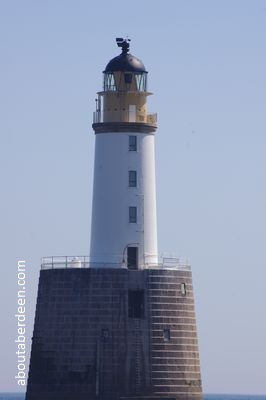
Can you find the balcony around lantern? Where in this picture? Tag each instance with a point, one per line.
(68, 262)
(124, 116)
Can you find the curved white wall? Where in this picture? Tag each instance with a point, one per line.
(111, 231)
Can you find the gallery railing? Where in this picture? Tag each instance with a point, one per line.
(56, 262)
(124, 116)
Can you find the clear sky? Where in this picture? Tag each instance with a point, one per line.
(207, 68)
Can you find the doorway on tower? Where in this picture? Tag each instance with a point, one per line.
(132, 257)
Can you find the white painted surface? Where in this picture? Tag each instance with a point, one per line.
(111, 232)
(132, 113)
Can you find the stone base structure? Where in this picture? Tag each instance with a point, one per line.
(114, 334)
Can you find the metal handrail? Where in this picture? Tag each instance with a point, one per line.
(124, 116)
(64, 262)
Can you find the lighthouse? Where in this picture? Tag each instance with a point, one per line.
(120, 323)
(124, 228)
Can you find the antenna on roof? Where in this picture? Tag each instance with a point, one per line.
(124, 43)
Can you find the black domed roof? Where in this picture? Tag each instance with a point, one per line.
(125, 62)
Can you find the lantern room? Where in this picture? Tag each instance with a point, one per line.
(124, 95)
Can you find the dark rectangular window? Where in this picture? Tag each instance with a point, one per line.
(132, 257)
(105, 333)
(128, 78)
(166, 335)
(132, 178)
(132, 214)
(183, 289)
(136, 304)
(132, 144)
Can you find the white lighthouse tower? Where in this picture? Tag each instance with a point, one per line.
(121, 325)
(124, 228)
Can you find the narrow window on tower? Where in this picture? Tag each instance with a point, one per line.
(132, 214)
(183, 289)
(136, 304)
(105, 334)
(132, 145)
(166, 335)
(132, 178)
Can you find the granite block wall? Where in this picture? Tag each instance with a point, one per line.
(113, 334)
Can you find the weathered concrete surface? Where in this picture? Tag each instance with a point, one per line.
(114, 333)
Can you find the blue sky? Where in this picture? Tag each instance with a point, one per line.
(206, 62)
